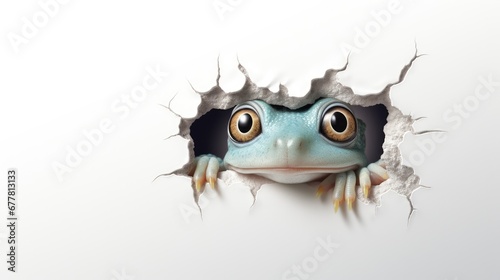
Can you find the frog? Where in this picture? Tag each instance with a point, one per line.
(321, 142)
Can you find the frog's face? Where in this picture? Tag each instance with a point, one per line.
(294, 146)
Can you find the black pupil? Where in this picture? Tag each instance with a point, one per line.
(245, 123)
(339, 122)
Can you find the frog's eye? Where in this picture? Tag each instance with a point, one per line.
(244, 125)
(338, 124)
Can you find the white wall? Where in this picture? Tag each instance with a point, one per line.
(105, 219)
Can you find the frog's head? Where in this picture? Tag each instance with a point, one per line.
(295, 146)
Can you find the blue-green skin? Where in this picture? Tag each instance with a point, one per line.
(291, 148)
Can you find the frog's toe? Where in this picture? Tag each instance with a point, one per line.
(350, 188)
(372, 175)
(338, 191)
(378, 174)
(205, 169)
(381, 163)
(199, 176)
(344, 184)
(212, 170)
(325, 185)
(364, 180)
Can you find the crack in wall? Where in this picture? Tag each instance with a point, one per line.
(402, 179)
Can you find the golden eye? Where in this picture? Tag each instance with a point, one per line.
(338, 124)
(244, 125)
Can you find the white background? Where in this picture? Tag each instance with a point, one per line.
(106, 219)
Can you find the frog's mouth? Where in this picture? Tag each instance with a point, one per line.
(293, 175)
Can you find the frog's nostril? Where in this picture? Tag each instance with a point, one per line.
(289, 144)
(278, 143)
(295, 144)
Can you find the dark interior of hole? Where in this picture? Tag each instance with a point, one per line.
(375, 118)
(209, 132)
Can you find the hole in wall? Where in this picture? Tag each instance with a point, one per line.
(210, 136)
